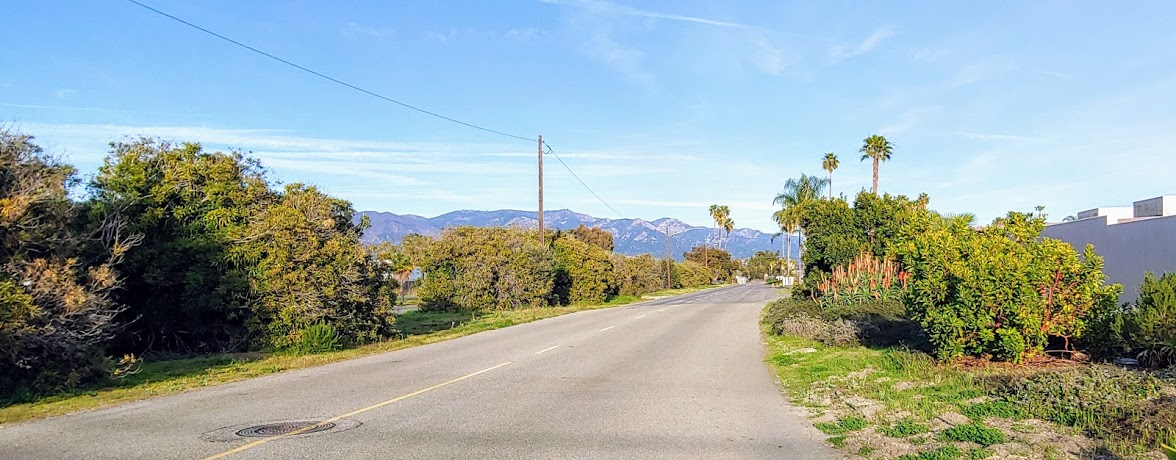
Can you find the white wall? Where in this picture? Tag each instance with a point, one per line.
(1128, 249)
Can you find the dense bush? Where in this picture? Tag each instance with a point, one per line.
(469, 268)
(836, 233)
(307, 266)
(1146, 330)
(639, 274)
(689, 273)
(226, 262)
(583, 272)
(57, 274)
(1001, 291)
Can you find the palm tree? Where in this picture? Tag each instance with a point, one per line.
(829, 164)
(1040, 211)
(800, 191)
(796, 195)
(720, 213)
(789, 224)
(948, 220)
(878, 148)
(728, 225)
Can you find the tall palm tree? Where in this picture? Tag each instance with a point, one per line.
(789, 222)
(720, 213)
(797, 194)
(879, 149)
(830, 163)
(714, 214)
(728, 225)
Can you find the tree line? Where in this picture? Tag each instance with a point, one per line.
(169, 250)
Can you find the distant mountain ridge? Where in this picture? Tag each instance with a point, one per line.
(630, 236)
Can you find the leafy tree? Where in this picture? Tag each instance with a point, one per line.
(184, 291)
(836, 233)
(717, 261)
(764, 263)
(57, 274)
(596, 236)
(829, 163)
(878, 149)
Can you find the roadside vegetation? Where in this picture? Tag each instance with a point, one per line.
(915, 335)
(174, 267)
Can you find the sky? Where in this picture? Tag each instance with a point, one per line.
(662, 108)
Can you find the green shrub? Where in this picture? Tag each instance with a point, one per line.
(942, 453)
(837, 441)
(998, 408)
(872, 323)
(1001, 291)
(471, 269)
(1123, 409)
(318, 338)
(974, 433)
(583, 272)
(842, 426)
(905, 428)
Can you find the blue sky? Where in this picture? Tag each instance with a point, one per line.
(662, 107)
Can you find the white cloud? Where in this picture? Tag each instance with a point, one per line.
(65, 93)
(993, 137)
(599, 6)
(839, 52)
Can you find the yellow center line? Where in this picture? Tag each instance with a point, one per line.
(545, 350)
(605, 329)
(349, 414)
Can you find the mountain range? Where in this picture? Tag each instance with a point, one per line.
(630, 236)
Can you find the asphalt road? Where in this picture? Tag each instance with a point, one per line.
(680, 377)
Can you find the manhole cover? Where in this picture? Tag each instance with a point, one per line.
(278, 429)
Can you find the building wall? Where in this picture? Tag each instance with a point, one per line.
(1128, 249)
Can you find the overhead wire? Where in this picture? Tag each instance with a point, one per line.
(569, 168)
(328, 77)
(377, 95)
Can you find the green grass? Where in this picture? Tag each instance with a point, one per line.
(942, 453)
(842, 426)
(837, 441)
(158, 378)
(974, 432)
(905, 428)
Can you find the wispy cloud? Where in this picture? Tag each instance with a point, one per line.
(609, 7)
(992, 137)
(357, 30)
(840, 52)
(65, 93)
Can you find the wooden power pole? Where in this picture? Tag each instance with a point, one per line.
(669, 267)
(542, 242)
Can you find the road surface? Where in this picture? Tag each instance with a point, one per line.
(679, 377)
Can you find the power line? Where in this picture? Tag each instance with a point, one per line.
(565, 165)
(328, 77)
(379, 96)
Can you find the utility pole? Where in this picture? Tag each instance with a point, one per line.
(542, 242)
(669, 267)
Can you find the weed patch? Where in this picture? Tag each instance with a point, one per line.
(905, 428)
(842, 426)
(974, 433)
(942, 453)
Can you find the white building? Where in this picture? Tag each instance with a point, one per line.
(1131, 240)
